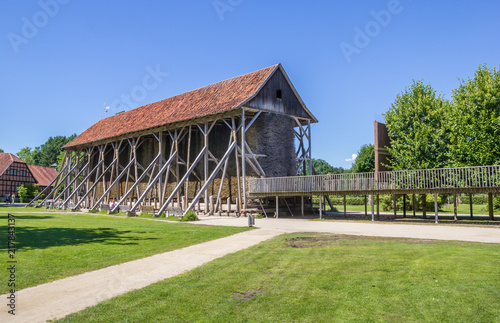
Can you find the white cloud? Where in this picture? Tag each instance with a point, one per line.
(353, 158)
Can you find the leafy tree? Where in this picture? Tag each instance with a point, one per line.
(51, 149)
(322, 167)
(28, 155)
(47, 154)
(1, 150)
(27, 192)
(415, 123)
(365, 162)
(474, 120)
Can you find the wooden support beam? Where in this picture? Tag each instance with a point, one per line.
(99, 201)
(67, 188)
(84, 181)
(75, 189)
(455, 217)
(471, 206)
(436, 207)
(321, 206)
(184, 178)
(414, 206)
(94, 185)
(490, 206)
(137, 182)
(46, 188)
(212, 176)
(243, 159)
(150, 186)
(60, 183)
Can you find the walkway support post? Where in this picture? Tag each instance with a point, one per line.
(404, 205)
(490, 206)
(423, 199)
(414, 206)
(320, 207)
(373, 208)
(455, 207)
(345, 206)
(436, 207)
(395, 212)
(277, 209)
(470, 204)
(378, 206)
(366, 207)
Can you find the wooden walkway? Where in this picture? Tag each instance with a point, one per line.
(479, 179)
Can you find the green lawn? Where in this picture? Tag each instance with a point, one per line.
(53, 245)
(324, 278)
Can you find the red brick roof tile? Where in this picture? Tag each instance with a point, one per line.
(43, 175)
(6, 159)
(209, 100)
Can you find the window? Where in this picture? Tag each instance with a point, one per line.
(278, 94)
(13, 172)
(22, 173)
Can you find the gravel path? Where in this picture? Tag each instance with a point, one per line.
(62, 297)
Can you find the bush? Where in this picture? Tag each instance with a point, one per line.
(27, 192)
(387, 202)
(190, 216)
(350, 200)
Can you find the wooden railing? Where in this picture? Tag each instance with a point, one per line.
(460, 179)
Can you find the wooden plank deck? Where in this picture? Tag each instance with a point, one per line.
(477, 179)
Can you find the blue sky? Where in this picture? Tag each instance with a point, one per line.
(63, 61)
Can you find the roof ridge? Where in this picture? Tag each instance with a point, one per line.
(211, 99)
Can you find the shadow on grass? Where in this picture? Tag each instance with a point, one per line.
(28, 217)
(29, 238)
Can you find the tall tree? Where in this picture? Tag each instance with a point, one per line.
(28, 155)
(365, 162)
(47, 154)
(474, 120)
(415, 123)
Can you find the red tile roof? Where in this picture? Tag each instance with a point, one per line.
(43, 175)
(209, 100)
(6, 159)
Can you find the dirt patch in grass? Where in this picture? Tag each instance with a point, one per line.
(248, 295)
(311, 241)
(317, 241)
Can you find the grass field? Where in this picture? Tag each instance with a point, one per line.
(324, 278)
(51, 246)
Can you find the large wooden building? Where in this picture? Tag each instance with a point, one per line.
(195, 150)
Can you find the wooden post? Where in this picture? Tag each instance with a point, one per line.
(414, 205)
(320, 206)
(345, 206)
(470, 205)
(423, 199)
(436, 207)
(490, 206)
(455, 207)
(228, 206)
(404, 205)
(211, 206)
(277, 209)
(302, 205)
(366, 207)
(395, 211)
(373, 208)
(378, 206)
